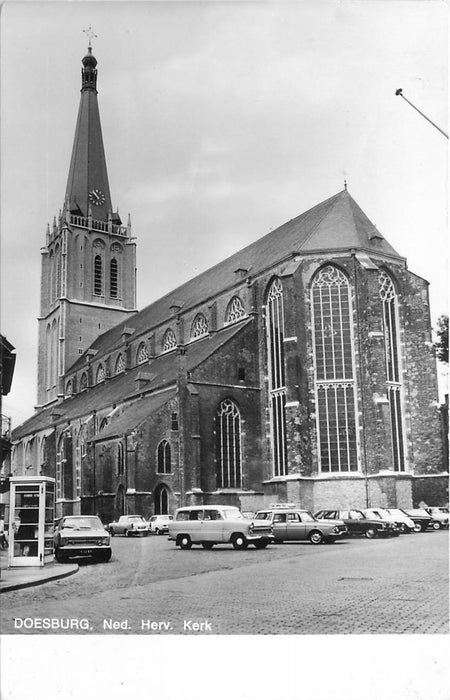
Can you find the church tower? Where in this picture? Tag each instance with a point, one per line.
(88, 274)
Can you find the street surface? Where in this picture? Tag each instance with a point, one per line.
(356, 586)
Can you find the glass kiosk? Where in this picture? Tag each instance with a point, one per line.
(31, 520)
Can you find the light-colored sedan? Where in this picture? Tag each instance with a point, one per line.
(129, 525)
(159, 524)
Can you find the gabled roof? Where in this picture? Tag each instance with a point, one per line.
(160, 372)
(338, 223)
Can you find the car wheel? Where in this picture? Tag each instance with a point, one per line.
(423, 527)
(262, 544)
(403, 528)
(436, 526)
(157, 531)
(207, 545)
(111, 532)
(239, 541)
(184, 542)
(127, 533)
(417, 527)
(315, 537)
(370, 533)
(61, 558)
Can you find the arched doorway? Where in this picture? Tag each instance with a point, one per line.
(120, 501)
(161, 500)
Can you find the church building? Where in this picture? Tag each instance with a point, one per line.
(299, 369)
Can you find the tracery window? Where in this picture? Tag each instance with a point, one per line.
(101, 374)
(142, 354)
(120, 364)
(164, 457)
(83, 381)
(69, 388)
(235, 310)
(394, 388)
(169, 341)
(277, 381)
(199, 327)
(335, 384)
(113, 278)
(228, 445)
(120, 465)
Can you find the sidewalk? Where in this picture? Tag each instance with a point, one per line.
(25, 576)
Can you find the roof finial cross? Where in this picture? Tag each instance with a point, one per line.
(90, 34)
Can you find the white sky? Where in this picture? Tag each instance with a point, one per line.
(221, 121)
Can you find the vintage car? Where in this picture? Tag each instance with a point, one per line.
(210, 525)
(81, 536)
(439, 516)
(294, 524)
(397, 515)
(422, 519)
(129, 525)
(359, 524)
(159, 524)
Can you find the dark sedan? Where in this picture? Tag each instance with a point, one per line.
(359, 524)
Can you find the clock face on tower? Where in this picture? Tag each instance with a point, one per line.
(96, 197)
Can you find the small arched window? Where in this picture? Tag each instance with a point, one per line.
(164, 457)
(235, 310)
(101, 374)
(103, 423)
(83, 381)
(199, 327)
(169, 341)
(69, 388)
(142, 354)
(120, 364)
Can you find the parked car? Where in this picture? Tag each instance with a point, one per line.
(129, 525)
(294, 524)
(159, 524)
(81, 536)
(439, 516)
(358, 524)
(422, 519)
(395, 515)
(210, 525)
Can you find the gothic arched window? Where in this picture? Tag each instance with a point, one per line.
(164, 457)
(120, 364)
(277, 381)
(58, 271)
(228, 446)
(101, 374)
(335, 385)
(120, 465)
(64, 474)
(199, 327)
(83, 381)
(142, 354)
(113, 279)
(235, 310)
(394, 388)
(169, 341)
(69, 388)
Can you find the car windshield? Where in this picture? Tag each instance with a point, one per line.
(135, 518)
(262, 516)
(374, 514)
(87, 523)
(306, 516)
(232, 514)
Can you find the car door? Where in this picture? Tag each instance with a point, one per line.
(279, 525)
(212, 526)
(195, 524)
(295, 527)
(359, 523)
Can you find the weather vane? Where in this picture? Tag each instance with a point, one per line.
(90, 34)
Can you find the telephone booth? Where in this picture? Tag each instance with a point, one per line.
(31, 520)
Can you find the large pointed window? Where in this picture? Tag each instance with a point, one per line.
(334, 371)
(98, 275)
(114, 278)
(394, 388)
(277, 382)
(228, 446)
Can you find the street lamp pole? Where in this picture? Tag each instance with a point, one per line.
(400, 92)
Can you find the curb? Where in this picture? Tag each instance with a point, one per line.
(5, 586)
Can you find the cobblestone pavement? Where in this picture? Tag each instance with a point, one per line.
(355, 586)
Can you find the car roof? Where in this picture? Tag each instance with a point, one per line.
(213, 507)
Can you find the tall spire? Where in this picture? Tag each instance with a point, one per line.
(88, 183)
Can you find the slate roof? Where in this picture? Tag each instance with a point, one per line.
(134, 414)
(335, 224)
(123, 387)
